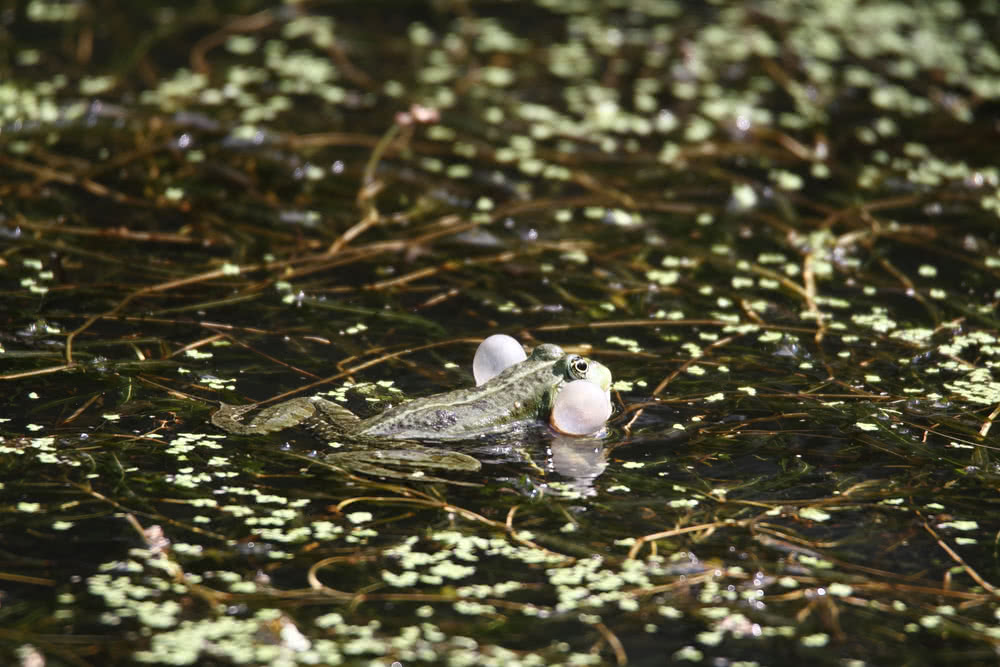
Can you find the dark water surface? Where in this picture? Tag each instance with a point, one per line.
(778, 223)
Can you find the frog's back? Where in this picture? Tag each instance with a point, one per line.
(520, 393)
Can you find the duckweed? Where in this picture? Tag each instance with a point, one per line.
(801, 201)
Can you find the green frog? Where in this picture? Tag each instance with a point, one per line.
(518, 396)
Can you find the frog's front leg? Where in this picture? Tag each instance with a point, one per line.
(412, 460)
(275, 418)
(330, 420)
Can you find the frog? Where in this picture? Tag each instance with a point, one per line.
(517, 397)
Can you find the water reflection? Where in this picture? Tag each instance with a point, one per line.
(580, 459)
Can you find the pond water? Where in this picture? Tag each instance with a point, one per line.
(777, 223)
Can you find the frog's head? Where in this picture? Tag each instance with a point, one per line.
(570, 367)
(581, 400)
(539, 381)
(577, 367)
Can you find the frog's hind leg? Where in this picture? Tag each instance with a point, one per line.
(330, 420)
(412, 460)
(417, 456)
(274, 418)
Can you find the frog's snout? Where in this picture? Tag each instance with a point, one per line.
(600, 375)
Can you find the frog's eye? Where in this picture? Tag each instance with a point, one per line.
(580, 366)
